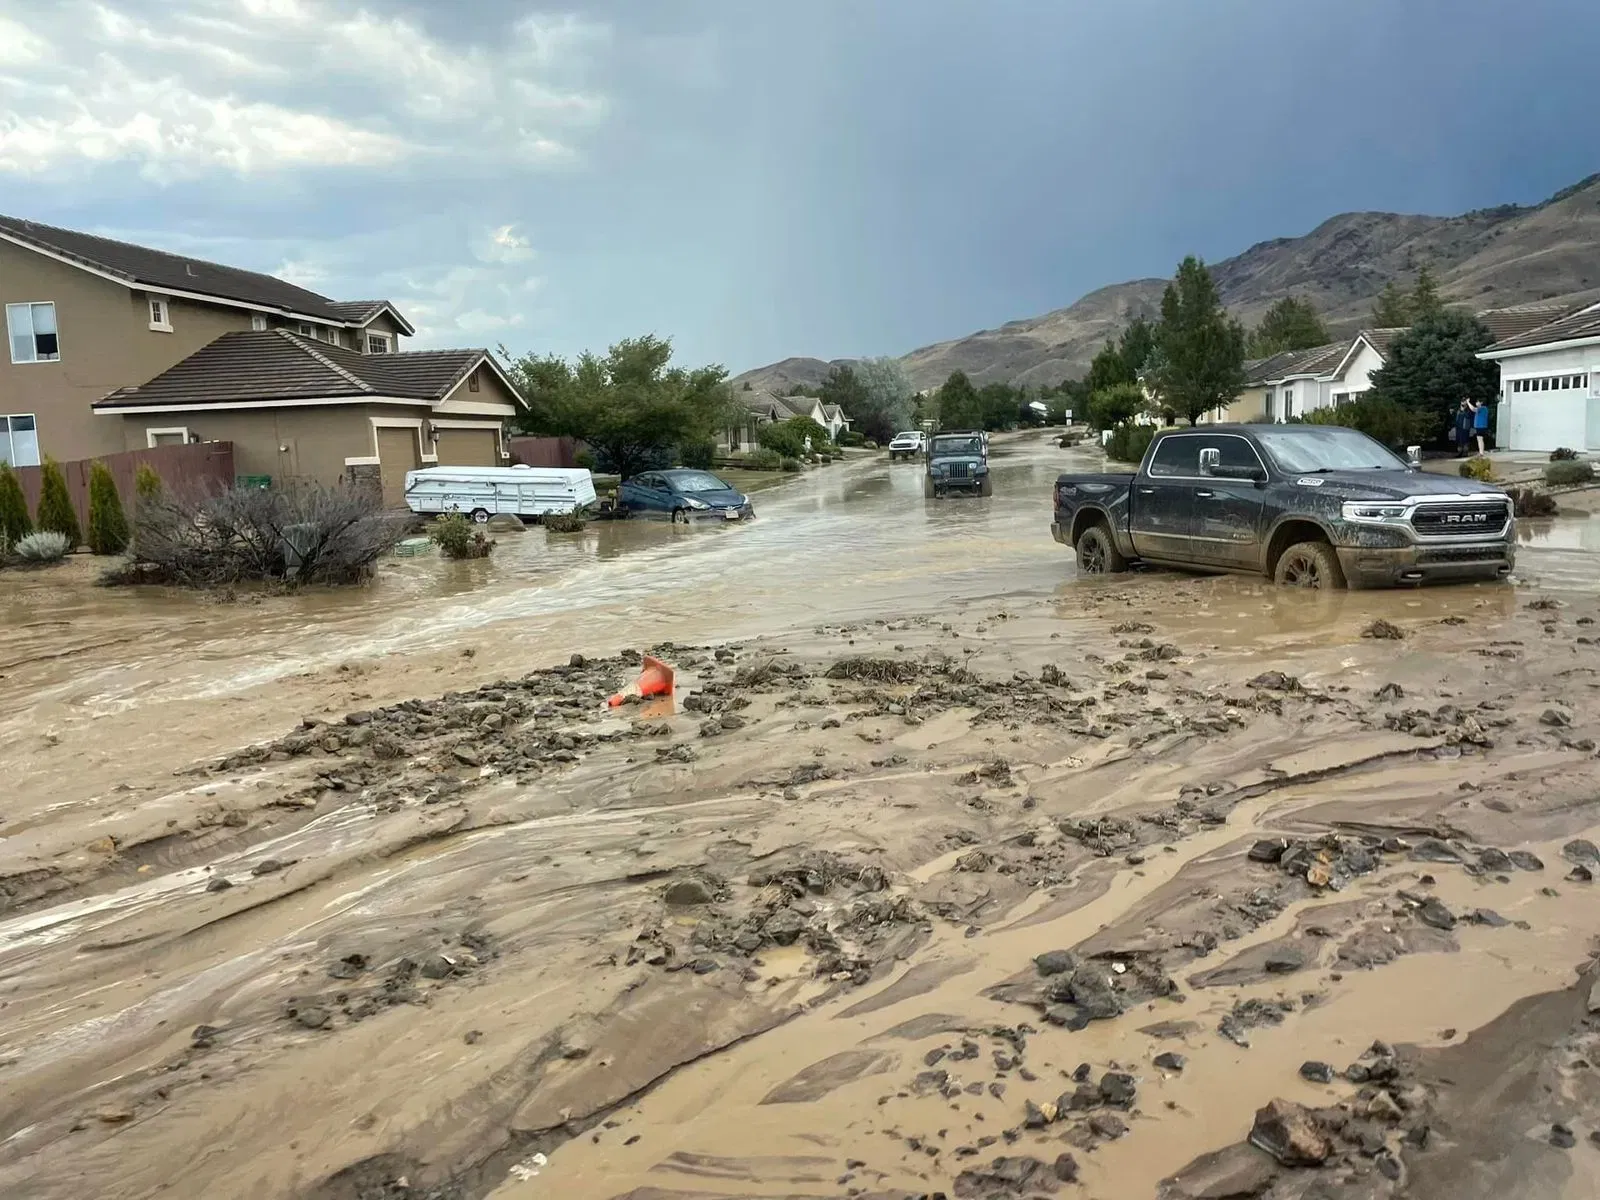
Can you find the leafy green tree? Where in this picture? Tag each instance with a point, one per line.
(884, 401)
(1074, 394)
(56, 514)
(1433, 366)
(1201, 346)
(15, 523)
(1290, 324)
(960, 406)
(1002, 406)
(631, 405)
(1116, 405)
(108, 524)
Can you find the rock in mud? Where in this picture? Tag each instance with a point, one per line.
(1487, 916)
(1384, 631)
(1316, 1072)
(1268, 850)
(204, 1036)
(467, 756)
(1005, 1177)
(1284, 961)
(268, 866)
(1288, 1132)
(1526, 860)
(1561, 1137)
(688, 892)
(1037, 1116)
(1275, 681)
(1555, 718)
(785, 927)
(312, 1016)
(1118, 1089)
(1580, 874)
(1433, 912)
(1108, 1126)
(1389, 693)
(1494, 860)
(1056, 962)
(217, 883)
(1065, 1168)
(1583, 851)
(438, 967)
(1167, 1060)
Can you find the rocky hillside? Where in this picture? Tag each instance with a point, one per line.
(1491, 258)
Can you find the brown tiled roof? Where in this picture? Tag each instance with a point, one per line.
(359, 312)
(250, 366)
(1295, 362)
(1582, 324)
(1382, 339)
(1512, 327)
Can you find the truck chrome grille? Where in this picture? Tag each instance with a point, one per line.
(1461, 519)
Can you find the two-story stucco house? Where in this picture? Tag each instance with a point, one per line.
(112, 346)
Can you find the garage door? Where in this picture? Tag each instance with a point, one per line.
(468, 448)
(397, 454)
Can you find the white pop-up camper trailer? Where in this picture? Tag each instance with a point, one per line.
(481, 492)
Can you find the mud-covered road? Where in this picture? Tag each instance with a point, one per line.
(945, 873)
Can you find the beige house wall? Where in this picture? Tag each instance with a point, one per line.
(106, 343)
(1249, 405)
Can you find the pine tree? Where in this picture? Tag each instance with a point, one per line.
(15, 524)
(1199, 347)
(108, 525)
(1392, 308)
(1425, 300)
(55, 506)
(1290, 324)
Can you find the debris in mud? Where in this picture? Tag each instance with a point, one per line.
(688, 892)
(1289, 1133)
(1389, 693)
(875, 670)
(1251, 1014)
(1384, 631)
(1275, 681)
(1007, 1177)
(1316, 1072)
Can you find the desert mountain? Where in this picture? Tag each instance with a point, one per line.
(1490, 258)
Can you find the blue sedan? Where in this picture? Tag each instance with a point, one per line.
(682, 495)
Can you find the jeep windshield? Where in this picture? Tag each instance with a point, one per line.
(953, 447)
(1309, 450)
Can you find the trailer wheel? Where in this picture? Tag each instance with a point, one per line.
(480, 516)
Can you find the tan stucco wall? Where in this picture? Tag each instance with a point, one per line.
(384, 323)
(106, 343)
(284, 443)
(1249, 405)
(490, 392)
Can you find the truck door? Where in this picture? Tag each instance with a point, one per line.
(1163, 498)
(1227, 512)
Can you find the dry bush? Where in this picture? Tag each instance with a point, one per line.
(310, 534)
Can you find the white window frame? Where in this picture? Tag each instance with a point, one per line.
(258, 322)
(331, 336)
(6, 433)
(381, 339)
(306, 329)
(150, 435)
(160, 315)
(11, 346)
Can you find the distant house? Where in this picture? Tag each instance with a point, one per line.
(1296, 382)
(1549, 378)
(764, 407)
(835, 422)
(113, 346)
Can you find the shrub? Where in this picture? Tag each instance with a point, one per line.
(146, 484)
(584, 459)
(564, 522)
(15, 523)
(791, 465)
(55, 506)
(1381, 420)
(108, 525)
(1566, 474)
(699, 455)
(46, 546)
(456, 537)
(788, 438)
(1529, 502)
(849, 437)
(1563, 454)
(764, 460)
(312, 534)
(1129, 442)
(1479, 468)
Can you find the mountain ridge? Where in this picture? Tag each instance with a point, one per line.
(1487, 258)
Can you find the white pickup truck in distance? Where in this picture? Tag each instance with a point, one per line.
(911, 444)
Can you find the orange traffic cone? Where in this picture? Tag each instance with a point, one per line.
(654, 680)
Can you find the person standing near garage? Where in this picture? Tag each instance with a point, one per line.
(1463, 428)
(1480, 422)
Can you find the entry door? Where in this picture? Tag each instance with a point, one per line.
(1227, 512)
(397, 454)
(1163, 498)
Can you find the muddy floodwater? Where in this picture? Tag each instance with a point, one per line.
(943, 872)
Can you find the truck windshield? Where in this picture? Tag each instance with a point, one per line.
(946, 447)
(1308, 450)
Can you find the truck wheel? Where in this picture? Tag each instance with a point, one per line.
(480, 516)
(986, 488)
(1098, 553)
(1309, 565)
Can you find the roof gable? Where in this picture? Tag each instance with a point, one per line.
(1581, 326)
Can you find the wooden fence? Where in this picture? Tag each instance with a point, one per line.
(544, 451)
(206, 465)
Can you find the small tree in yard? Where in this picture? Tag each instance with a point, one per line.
(1200, 347)
(56, 514)
(1115, 405)
(108, 525)
(15, 523)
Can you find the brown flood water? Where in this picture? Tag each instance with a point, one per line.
(585, 1039)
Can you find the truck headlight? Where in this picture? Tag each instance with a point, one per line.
(1374, 513)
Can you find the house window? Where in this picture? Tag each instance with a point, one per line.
(32, 329)
(1288, 403)
(258, 323)
(19, 440)
(1341, 398)
(160, 316)
(472, 382)
(377, 343)
(305, 330)
(332, 335)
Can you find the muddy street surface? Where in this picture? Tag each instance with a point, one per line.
(943, 873)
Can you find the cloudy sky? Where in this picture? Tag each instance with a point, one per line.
(760, 178)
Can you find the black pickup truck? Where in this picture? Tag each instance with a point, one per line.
(1306, 505)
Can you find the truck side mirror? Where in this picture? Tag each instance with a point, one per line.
(1210, 458)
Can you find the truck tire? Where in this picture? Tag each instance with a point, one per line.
(986, 488)
(1309, 565)
(1098, 553)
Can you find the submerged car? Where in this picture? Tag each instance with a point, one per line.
(683, 495)
(1314, 506)
(958, 462)
(909, 444)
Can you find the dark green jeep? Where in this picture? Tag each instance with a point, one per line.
(958, 461)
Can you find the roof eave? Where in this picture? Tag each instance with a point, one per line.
(1494, 353)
